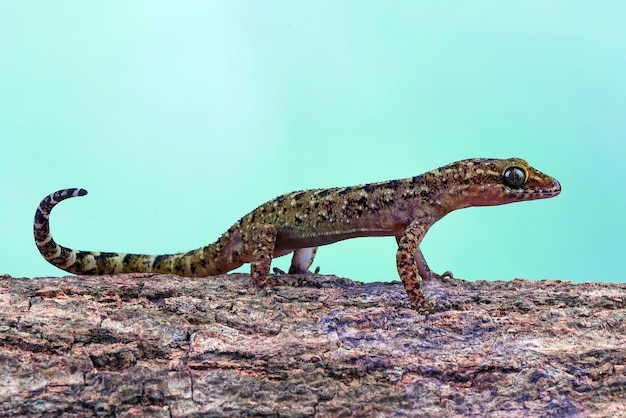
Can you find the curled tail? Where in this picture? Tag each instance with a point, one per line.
(193, 263)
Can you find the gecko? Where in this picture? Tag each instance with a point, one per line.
(301, 221)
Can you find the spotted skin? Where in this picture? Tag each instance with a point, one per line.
(301, 221)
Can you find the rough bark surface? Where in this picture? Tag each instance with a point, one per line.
(163, 345)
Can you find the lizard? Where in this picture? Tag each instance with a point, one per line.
(301, 221)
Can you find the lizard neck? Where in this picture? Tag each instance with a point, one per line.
(442, 191)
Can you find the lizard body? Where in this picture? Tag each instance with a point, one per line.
(301, 221)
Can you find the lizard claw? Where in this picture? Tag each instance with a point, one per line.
(446, 277)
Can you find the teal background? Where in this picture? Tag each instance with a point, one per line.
(180, 117)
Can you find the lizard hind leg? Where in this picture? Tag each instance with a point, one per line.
(302, 260)
(261, 240)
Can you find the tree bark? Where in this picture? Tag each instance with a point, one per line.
(164, 345)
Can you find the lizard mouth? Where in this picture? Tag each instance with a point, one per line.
(554, 189)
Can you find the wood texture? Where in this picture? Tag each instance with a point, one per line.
(164, 345)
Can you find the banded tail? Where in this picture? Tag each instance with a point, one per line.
(191, 263)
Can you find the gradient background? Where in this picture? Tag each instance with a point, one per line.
(180, 117)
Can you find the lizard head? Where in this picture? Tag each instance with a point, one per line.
(490, 182)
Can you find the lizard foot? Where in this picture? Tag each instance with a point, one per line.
(448, 278)
(446, 274)
(276, 270)
(282, 279)
(425, 307)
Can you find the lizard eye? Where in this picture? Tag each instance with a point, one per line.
(514, 177)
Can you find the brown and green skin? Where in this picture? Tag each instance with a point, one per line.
(301, 221)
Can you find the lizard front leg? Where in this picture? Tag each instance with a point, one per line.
(412, 265)
(422, 267)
